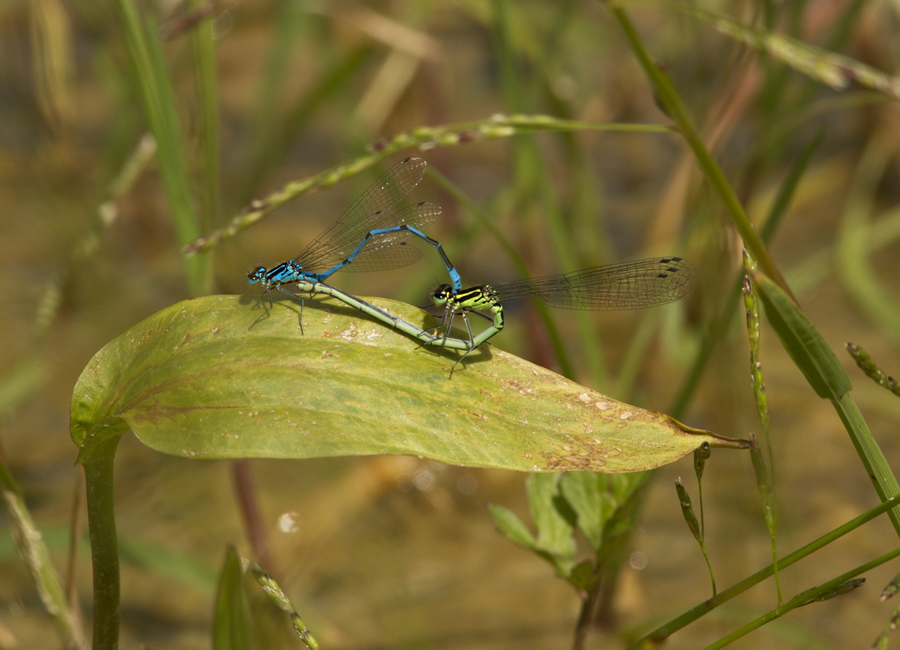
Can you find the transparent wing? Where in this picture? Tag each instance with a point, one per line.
(629, 285)
(371, 211)
(391, 250)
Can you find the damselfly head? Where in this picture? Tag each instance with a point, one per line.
(442, 294)
(256, 275)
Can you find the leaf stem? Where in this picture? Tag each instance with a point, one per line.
(98, 470)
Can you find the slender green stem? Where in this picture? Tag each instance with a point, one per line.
(502, 126)
(804, 598)
(98, 471)
(586, 615)
(654, 638)
(158, 99)
(671, 103)
(720, 325)
(203, 46)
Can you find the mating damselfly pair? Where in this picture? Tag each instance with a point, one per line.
(370, 236)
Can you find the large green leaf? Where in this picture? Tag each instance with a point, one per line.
(194, 380)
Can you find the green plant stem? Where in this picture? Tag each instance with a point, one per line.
(203, 47)
(425, 137)
(656, 637)
(675, 109)
(824, 373)
(801, 599)
(586, 615)
(157, 96)
(723, 321)
(98, 471)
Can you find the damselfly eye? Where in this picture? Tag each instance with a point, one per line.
(256, 274)
(441, 294)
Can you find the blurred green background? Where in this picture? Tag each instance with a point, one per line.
(399, 552)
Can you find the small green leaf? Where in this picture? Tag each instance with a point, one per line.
(587, 493)
(803, 342)
(512, 527)
(604, 505)
(554, 520)
(195, 380)
(232, 622)
(552, 515)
